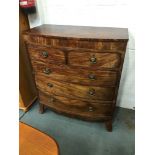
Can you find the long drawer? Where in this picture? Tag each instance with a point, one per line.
(73, 106)
(76, 76)
(86, 93)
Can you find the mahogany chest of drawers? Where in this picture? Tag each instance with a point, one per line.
(77, 69)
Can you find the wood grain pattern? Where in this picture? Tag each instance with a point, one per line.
(81, 75)
(46, 55)
(76, 76)
(34, 142)
(83, 109)
(80, 32)
(75, 91)
(99, 45)
(101, 60)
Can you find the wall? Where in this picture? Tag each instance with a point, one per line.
(112, 13)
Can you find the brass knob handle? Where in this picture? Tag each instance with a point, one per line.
(93, 60)
(91, 91)
(45, 54)
(47, 71)
(50, 85)
(90, 108)
(91, 77)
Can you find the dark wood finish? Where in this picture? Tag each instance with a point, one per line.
(112, 46)
(75, 91)
(41, 108)
(35, 142)
(80, 32)
(94, 60)
(82, 109)
(28, 93)
(77, 69)
(46, 55)
(76, 76)
(109, 125)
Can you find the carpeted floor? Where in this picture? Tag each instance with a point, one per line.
(21, 114)
(76, 137)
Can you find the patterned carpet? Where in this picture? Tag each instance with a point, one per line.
(76, 137)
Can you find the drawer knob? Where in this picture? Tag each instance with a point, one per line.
(90, 108)
(47, 71)
(45, 54)
(93, 60)
(91, 91)
(50, 85)
(91, 77)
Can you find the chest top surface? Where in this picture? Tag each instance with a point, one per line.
(80, 32)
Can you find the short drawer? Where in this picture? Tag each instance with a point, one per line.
(94, 60)
(42, 54)
(86, 93)
(74, 106)
(77, 76)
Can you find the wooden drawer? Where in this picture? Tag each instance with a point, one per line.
(77, 76)
(77, 42)
(94, 60)
(77, 107)
(42, 54)
(87, 93)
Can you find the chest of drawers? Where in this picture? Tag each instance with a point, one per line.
(77, 69)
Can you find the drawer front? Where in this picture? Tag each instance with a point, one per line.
(74, 106)
(74, 43)
(77, 76)
(94, 60)
(87, 93)
(46, 55)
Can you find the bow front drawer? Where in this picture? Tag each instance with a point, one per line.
(76, 76)
(87, 93)
(94, 60)
(76, 107)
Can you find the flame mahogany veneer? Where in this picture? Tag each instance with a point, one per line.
(77, 69)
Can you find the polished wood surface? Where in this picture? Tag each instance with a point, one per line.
(76, 76)
(77, 70)
(34, 142)
(81, 32)
(94, 60)
(28, 93)
(87, 93)
(73, 43)
(47, 55)
(82, 109)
